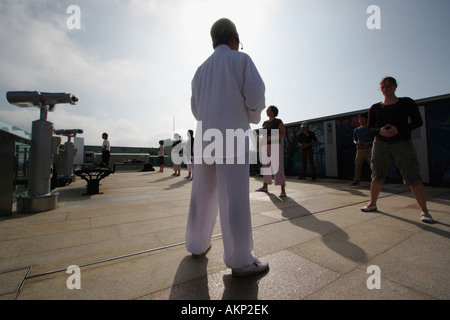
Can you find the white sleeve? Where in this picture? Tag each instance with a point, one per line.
(193, 102)
(254, 92)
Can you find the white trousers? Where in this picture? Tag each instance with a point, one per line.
(224, 188)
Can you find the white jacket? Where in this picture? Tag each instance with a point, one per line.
(227, 93)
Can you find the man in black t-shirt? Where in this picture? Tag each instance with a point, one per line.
(306, 140)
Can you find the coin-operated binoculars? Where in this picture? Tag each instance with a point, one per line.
(43, 146)
(69, 149)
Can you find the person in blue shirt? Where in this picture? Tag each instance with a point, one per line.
(363, 139)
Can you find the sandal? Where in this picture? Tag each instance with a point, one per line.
(426, 217)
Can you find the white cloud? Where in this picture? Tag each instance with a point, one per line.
(134, 94)
(131, 63)
(121, 96)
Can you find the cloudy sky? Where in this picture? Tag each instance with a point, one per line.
(131, 62)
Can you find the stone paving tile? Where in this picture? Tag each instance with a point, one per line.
(290, 277)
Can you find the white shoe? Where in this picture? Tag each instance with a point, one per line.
(369, 208)
(201, 255)
(258, 266)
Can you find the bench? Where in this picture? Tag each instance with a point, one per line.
(93, 174)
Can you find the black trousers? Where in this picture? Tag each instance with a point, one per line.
(105, 157)
(308, 156)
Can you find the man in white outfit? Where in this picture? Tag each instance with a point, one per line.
(227, 93)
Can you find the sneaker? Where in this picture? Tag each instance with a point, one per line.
(262, 190)
(353, 183)
(426, 217)
(369, 208)
(258, 266)
(201, 255)
(282, 195)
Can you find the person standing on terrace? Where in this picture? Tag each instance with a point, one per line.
(106, 149)
(275, 124)
(228, 93)
(391, 122)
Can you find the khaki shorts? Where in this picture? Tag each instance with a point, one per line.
(405, 158)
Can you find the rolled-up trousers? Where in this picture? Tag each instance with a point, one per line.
(221, 188)
(362, 155)
(279, 176)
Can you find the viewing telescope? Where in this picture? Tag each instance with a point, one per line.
(68, 132)
(25, 99)
(69, 154)
(43, 147)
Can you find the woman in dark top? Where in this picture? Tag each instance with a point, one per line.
(391, 122)
(274, 124)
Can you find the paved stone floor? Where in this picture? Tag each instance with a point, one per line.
(128, 242)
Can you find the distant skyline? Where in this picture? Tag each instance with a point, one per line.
(131, 62)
